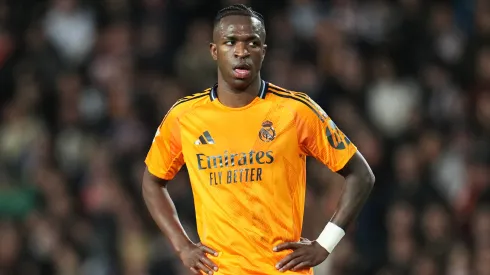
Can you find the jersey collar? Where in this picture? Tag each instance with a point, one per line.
(262, 91)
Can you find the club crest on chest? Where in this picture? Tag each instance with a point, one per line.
(267, 132)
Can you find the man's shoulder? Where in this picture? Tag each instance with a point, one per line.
(300, 102)
(190, 102)
(288, 96)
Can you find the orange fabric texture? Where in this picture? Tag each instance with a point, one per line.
(247, 168)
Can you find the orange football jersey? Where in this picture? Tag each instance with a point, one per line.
(247, 168)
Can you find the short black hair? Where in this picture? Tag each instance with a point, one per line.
(238, 9)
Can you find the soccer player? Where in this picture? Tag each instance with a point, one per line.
(245, 142)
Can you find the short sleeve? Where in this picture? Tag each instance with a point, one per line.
(320, 138)
(165, 158)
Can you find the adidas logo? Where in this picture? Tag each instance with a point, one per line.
(205, 138)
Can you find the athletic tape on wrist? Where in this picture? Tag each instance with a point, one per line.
(330, 236)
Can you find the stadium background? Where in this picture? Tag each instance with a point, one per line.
(84, 84)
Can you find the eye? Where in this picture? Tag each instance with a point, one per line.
(254, 44)
(229, 43)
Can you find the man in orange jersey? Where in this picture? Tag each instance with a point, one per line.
(245, 142)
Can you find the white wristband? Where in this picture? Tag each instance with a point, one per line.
(330, 236)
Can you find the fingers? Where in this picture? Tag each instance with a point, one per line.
(290, 264)
(200, 266)
(286, 260)
(204, 264)
(203, 268)
(302, 265)
(197, 260)
(295, 264)
(288, 245)
(205, 260)
(208, 250)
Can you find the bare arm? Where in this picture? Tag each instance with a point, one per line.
(163, 212)
(322, 139)
(359, 183)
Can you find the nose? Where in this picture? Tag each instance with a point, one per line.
(241, 50)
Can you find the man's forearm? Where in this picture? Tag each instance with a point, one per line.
(359, 183)
(163, 212)
(354, 196)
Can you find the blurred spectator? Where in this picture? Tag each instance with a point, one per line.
(70, 28)
(193, 63)
(392, 102)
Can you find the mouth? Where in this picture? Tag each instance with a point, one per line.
(242, 70)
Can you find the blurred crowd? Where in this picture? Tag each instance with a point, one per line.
(85, 83)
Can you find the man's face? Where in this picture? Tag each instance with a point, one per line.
(238, 47)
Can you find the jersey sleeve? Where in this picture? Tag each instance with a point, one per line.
(320, 138)
(165, 157)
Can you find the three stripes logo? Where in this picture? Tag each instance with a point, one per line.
(205, 138)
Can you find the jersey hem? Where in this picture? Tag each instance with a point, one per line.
(152, 171)
(342, 165)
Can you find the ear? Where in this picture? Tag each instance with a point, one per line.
(264, 50)
(213, 49)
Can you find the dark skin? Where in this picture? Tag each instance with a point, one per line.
(359, 182)
(162, 209)
(239, 41)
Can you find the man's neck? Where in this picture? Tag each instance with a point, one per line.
(236, 99)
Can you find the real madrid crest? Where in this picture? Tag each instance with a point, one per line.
(267, 132)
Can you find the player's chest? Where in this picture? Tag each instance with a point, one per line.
(256, 129)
